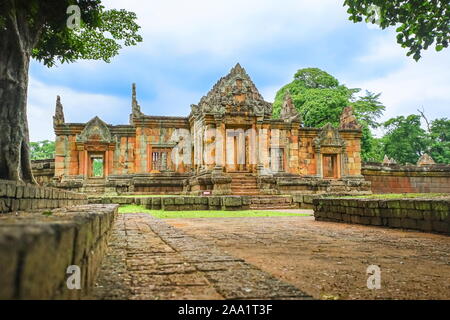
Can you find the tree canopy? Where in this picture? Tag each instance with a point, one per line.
(100, 35)
(405, 140)
(42, 150)
(419, 23)
(321, 99)
(440, 140)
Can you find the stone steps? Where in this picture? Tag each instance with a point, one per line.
(93, 188)
(244, 184)
(280, 207)
(272, 202)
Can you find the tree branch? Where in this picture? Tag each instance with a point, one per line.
(422, 114)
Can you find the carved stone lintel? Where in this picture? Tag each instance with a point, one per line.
(96, 131)
(330, 137)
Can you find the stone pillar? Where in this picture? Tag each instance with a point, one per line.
(106, 164)
(319, 167)
(220, 145)
(81, 162)
(210, 147)
(343, 159)
(86, 164)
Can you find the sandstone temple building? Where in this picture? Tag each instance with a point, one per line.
(229, 144)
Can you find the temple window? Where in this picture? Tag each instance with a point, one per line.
(161, 160)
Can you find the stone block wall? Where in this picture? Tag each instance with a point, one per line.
(417, 214)
(36, 251)
(17, 196)
(43, 171)
(183, 203)
(394, 178)
(197, 203)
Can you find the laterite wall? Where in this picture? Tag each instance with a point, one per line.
(37, 249)
(395, 178)
(417, 214)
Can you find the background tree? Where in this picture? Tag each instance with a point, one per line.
(317, 95)
(38, 29)
(42, 150)
(420, 23)
(440, 140)
(368, 110)
(405, 140)
(320, 99)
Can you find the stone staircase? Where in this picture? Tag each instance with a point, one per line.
(94, 187)
(244, 184)
(269, 202)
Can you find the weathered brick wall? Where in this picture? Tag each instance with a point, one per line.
(395, 178)
(417, 214)
(16, 196)
(43, 171)
(36, 250)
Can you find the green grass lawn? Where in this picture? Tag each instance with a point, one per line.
(148, 196)
(207, 214)
(398, 196)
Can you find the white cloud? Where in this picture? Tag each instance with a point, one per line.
(224, 27)
(170, 100)
(383, 48)
(411, 84)
(78, 107)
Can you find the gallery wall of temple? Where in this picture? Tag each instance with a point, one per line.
(231, 130)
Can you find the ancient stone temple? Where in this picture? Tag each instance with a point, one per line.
(229, 144)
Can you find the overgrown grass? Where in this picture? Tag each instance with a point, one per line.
(207, 214)
(399, 196)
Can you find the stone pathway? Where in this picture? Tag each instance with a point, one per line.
(149, 259)
(330, 260)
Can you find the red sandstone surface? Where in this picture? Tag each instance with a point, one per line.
(329, 260)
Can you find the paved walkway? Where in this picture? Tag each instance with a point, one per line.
(329, 260)
(149, 259)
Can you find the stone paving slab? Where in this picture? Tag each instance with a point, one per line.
(151, 260)
(330, 260)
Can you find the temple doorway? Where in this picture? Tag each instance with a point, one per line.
(237, 151)
(330, 166)
(97, 165)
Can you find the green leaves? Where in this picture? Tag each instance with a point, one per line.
(317, 95)
(42, 150)
(405, 140)
(440, 140)
(419, 23)
(315, 78)
(321, 99)
(101, 36)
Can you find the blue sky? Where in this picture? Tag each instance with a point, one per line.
(188, 46)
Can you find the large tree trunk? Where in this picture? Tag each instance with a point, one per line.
(16, 44)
